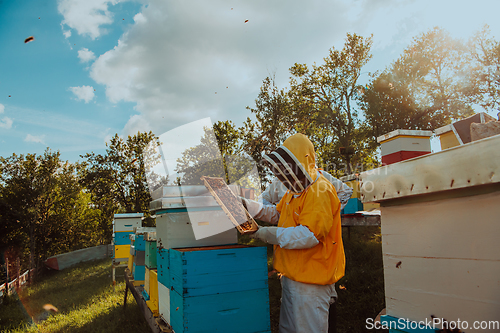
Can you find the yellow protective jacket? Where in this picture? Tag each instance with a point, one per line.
(317, 208)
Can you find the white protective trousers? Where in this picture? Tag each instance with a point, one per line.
(304, 307)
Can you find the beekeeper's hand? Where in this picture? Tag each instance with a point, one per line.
(266, 213)
(252, 206)
(266, 234)
(299, 237)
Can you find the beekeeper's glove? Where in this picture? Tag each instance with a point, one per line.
(252, 206)
(299, 237)
(266, 213)
(266, 234)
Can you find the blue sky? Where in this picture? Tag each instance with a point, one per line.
(99, 67)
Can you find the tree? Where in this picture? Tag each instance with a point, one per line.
(47, 212)
(323, 100)
(274, 123)
(117, 180)
(425, 88)
(484, 74)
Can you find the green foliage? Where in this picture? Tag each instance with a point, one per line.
(218, 155)
(484, 74)
(427, 87)
(274, 123)
(203, 159)
(117, 180)
(47, 210)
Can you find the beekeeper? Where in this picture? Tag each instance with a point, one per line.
(308, 248)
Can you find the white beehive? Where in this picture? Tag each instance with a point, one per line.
(440, 220)
(126, 222)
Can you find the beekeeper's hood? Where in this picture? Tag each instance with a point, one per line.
(294, 163)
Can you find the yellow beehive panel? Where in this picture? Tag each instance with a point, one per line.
(130, 262)
(371, 205)
(153, 292)
(146, 281)
(122, 251)
(354, 184)
(448, 140)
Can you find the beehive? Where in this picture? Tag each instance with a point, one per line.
(458, 133)
(189, 216)
(220, 288)
(123, 225)
(401, 145)
(354, 204)
(127, 222)
(139, 266)
(440, 228)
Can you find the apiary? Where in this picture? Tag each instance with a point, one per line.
(440, 227)
(216, 288)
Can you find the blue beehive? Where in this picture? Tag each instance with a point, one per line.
(122, 238)
(353, 205)
(163, 267)
(219, 289)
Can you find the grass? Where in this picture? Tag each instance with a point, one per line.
(86, 302)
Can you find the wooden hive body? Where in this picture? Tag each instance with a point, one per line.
(440, 229)
(219, 289)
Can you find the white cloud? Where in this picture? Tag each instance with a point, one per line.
(86, 55)
(85, 93)
(136, 123)
(36, 139)
(87, 16)
(178, 64)
(181, 61)
(6, 123)
(67, 33)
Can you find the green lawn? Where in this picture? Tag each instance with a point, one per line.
(86, 302)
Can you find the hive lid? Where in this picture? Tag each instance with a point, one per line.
(464, 166)
(404, 132)
(143, 230)
(182, 202)
(174, 191)
(127, 215)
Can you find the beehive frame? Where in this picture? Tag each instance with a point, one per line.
(253, 224)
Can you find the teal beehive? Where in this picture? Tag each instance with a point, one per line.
(219, 289)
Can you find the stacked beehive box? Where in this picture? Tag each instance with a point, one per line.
(123, 227)
(139, 265)
(219, 289)
(192, 275)
(151, 280)
(440, 229)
